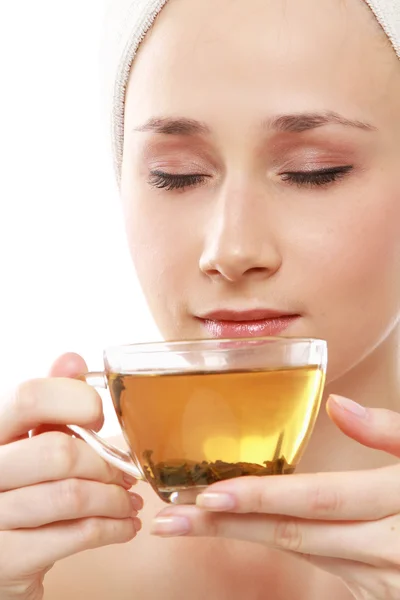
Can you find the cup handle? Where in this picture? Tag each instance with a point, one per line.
(111, 454)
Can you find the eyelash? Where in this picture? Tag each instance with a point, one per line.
(316, 178)
(323, 177)
(169, 182)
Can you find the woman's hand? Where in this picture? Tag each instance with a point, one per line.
(57, 497)
(345, 523)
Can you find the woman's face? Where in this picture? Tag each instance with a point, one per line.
(262, 169)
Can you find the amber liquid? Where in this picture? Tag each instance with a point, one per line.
(190, 430)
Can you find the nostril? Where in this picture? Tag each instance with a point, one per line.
(257, 270)
(213, 272)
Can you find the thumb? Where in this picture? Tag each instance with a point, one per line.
(66, 365)
(376, 428)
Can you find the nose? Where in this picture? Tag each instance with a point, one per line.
(239, 241)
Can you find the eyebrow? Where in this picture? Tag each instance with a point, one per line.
(290, 123)
(297, 123)
(174, 126)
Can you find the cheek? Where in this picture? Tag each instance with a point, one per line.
(164, 249)
(352, 276)
(359, 254)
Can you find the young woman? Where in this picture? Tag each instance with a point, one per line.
(257, 148)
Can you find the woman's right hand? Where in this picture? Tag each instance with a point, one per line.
(57, 496)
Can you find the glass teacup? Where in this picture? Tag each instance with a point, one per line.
(202, 411)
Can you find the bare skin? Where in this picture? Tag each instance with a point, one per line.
(329, 254)
(241, 233)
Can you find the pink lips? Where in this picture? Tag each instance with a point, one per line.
(256, 323)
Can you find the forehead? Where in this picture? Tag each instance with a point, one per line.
(278, 54)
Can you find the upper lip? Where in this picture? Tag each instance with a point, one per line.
(246, 315)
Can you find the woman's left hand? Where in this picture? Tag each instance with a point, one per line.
(345, 523)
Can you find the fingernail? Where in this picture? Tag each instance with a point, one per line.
(129, 481)
(170, 526)
(216, 501)
(350, 406)
(138, 524)
(137, 502)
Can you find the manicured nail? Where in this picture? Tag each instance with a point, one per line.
(170, 526)
(137, 502)
(138, 524)
(128, 481)
(350, 406)
(216, 501)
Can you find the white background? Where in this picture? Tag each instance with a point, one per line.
(67, 281)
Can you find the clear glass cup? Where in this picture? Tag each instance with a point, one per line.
(197, 412)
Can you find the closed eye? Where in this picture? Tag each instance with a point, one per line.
(169, 182)
(316, 178)
(322, 177)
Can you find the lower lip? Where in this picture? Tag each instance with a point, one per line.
(241, 329)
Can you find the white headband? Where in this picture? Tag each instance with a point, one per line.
(128, 21)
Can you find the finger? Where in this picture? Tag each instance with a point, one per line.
(30, 550)
(371, 542)
(4, 400)
(372, 427)
(348, 496)
(58, 401)
(64, 501)
(53, 456)
(68, 365)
